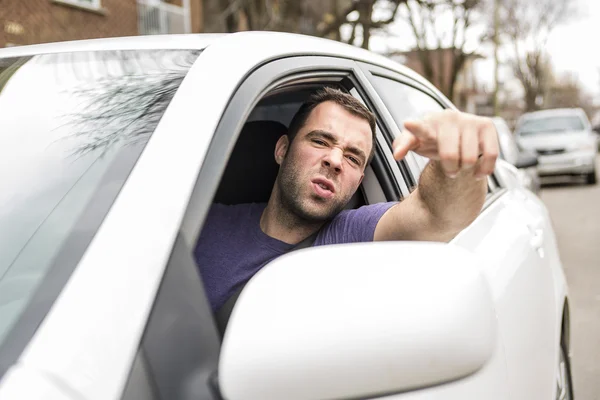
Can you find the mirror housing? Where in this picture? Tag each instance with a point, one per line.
(358, 320)
(527, 159)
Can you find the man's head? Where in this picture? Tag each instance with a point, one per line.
(323, 157)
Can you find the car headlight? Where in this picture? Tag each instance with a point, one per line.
(583, 146)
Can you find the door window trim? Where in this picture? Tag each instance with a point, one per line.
(248, 94)
(243, 101)
(371, 70)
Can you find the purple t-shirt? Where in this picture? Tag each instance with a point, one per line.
(232, 247)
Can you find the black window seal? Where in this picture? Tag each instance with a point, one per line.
(377, 104)
(381, 168)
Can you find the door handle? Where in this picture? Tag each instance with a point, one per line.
(537, 240)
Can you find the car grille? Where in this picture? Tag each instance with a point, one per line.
(548, 152)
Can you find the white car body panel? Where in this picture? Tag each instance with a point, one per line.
(77, 343)
(490, 383)
(449, 329)
(78, 347)
(25, 383)
(523, 285)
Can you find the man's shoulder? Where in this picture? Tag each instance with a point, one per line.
(370, 210)
(355, 225)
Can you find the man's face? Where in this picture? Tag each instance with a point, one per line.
(324, 165)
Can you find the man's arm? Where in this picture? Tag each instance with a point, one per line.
(463, 149)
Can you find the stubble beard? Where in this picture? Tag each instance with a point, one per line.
(294, 206)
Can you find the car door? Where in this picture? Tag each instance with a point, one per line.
(508, 235)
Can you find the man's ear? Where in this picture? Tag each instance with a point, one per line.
(281, 148)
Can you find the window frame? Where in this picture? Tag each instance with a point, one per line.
(371, 70)
(255, 86)
(90, 5)
(143, 376)
(262, 80)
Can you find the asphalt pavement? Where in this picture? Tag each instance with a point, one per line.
(575, 213)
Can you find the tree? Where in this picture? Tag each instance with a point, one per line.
(534, 72)
(567, 91)
(527, 25)
(360, 16)
(443, 52)
(323, 18)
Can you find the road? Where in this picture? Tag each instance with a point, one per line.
(574, 209)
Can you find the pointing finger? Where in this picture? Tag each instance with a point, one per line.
(469, 147)
(403, 144)
(449, 149)
(417, 127)
(488, 139)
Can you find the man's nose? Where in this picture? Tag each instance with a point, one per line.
(333, 159)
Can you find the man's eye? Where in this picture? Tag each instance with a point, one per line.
(354, 160)
(319, 142)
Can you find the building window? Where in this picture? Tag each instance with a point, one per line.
(85, 4)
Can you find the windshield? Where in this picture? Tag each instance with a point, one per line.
(71, 128)
(551, 125)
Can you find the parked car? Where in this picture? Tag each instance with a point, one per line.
(525, 161)
(596, 130)
(563, 139)
(113, 150)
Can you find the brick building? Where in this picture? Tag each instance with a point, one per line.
(41, 21)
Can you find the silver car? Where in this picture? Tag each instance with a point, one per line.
(563, 140)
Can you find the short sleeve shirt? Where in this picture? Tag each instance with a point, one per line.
(232, 247)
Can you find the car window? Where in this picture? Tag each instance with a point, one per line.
(405, 102)
(508, 145)
(557, 124)
(65, 119)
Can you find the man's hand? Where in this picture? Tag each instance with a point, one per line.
(459, 141)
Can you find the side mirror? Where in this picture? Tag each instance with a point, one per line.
(526, 160)
(357, 321)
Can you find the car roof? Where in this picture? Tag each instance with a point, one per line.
(554, 112)
(150, 42)
(248, 45)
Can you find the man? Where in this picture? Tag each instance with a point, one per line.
(322, 162)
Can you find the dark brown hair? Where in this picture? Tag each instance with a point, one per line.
(347, 101)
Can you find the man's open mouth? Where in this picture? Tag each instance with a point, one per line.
(323, 187)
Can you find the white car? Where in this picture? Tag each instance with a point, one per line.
(113, 150)
(563, 139)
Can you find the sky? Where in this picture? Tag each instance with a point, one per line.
(572, 47)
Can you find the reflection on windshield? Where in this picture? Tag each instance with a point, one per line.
(551, 125)
(63, 120)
